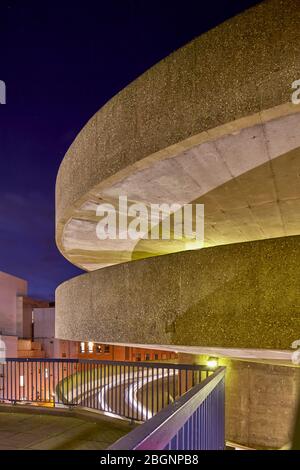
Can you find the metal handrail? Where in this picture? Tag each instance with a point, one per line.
(151, 364)
(157, 433)
(133, 390)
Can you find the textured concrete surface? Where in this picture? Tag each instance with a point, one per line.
(240, 71)
(211, 123)
(26, 431)
(247, 180)
(260, 403)
(241, 296)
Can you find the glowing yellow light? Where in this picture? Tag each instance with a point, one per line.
(90, 346)
(193, 245)
(212, 362)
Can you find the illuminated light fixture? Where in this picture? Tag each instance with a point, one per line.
(212, 362)
(46, 374)
(90, 346)
(21, 380)
(82, 347)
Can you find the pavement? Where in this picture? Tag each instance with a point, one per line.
(46, 431)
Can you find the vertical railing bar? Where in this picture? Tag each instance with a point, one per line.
(180, 382)
(40, 381)
(68, 387)
(104, 383)
(16, 378)
(11, 382)
(85, 381)
(152, 390)
(113, 388)
(142, 391)
(49, 382)
(54, 367)
(90, 386)
(26, 387)
(24, 379)
(174, 383)
(127, 383)
(157, 391)
(101, 375)
(90, 391)
(120, 390)
(31, 381)
(36, 380)
(132, 382)
(163, 388)
(72, 382)
(60, 398)
(93, 385)
(168, 387)
(108, 384)
(122, 384)
(43, 378)
(147, 395)
(80, 373)
(132, 410)
(63, 382)
(87, 384)
(186, 380)
(97, 387)
(137, 393)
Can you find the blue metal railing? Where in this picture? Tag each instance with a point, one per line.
(133, 390)
(195, 421)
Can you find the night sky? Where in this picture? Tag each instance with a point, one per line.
(61, 62)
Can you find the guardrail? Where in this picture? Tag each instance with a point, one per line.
(133, 390)
(193, 422)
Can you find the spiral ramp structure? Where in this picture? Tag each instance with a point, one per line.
(213, 123)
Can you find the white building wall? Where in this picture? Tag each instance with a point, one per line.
(10, 288)
(44, 322)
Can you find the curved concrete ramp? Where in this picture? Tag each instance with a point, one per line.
(213, 123)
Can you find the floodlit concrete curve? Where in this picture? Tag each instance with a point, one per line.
(212, 123)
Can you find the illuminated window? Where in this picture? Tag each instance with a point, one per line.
(82, 347)
(98, 349)
(90, 346)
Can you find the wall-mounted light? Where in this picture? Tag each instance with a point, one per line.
(212, 362)
(21, 380)
(82, 347)
(90, 346)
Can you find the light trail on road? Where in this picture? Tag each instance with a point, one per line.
(131, 392)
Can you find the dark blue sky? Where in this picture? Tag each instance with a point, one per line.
(61, 62)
